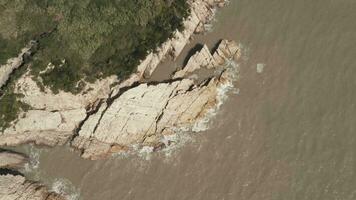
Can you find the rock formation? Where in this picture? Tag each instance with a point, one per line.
(13, 185)
(53, 119)
(106, 119)
(12, 160)
(133, 114)
(17, 187)
(13, 63)
(146, 113)
(202, 12)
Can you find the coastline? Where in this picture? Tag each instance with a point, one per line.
(56, 119)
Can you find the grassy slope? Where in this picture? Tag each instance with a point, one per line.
(89, 39)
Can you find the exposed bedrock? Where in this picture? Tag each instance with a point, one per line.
(12, 64)
(53, 119)
(147, 114)
(202, 12)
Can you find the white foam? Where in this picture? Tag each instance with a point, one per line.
(176, 141)
(183, 134)
(66, 189)
(222, 95)
(34, 159)
(145, 152)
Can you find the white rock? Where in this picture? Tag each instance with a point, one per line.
(54, 118)
(202, 12)
(12, 64)
(144, 113)
(43, 127)
(46, 100)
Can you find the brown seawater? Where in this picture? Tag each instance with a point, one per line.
(289, 133)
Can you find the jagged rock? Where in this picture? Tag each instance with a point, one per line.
(12, 64)
(54, 118)
(202, 12)
(145, 113)
(204, 59)
(12, 160)
(17, 187)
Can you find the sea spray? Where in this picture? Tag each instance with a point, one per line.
(32, 167)
(65, 188)
(222, 91)
(182, 135)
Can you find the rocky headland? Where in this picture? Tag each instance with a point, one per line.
(86, 118)
(112, 115)
(147, 114)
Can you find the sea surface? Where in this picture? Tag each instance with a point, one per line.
(286, 132)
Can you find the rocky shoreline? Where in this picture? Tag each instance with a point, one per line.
(13, 185)
(55, 119)
(112, 115)
(146, 114)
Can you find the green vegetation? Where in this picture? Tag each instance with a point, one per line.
(95, 38)
(82, 40)
(10, 105)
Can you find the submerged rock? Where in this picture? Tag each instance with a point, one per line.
(17, 187)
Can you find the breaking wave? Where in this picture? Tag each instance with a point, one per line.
(66, 189)
(34, 159)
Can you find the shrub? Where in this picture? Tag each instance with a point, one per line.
(96, 38)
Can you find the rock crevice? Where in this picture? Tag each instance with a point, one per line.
(107, 118)
(154, 110)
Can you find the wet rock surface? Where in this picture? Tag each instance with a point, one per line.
(13, 185)
(17, 187)
(54, 119)
(147, 113)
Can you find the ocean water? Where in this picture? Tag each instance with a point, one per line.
(286, 132)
